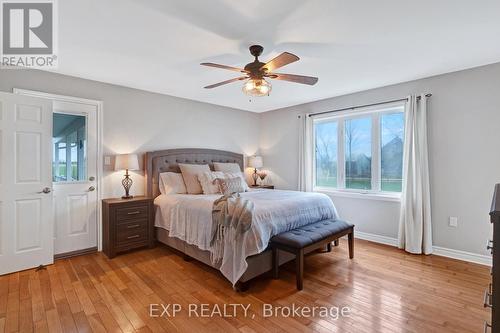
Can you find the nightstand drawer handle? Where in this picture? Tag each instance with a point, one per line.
(133, 226)
(134, 236)
(134, 213)
(487, 299)
(489, 245)
(486, 326)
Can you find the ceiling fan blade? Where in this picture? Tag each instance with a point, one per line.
(226, 82)
(282, 60)
(294, 78)
(235, 69)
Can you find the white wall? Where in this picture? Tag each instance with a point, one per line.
(464, 143)
(138, 121)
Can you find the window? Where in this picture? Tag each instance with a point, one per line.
(326, 154)
(360, 151)
(391, 151)
(69, 140)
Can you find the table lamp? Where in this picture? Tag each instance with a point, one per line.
(255, 162)
(127, 162)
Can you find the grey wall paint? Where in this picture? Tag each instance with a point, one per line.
(464, 144)
(138, 121)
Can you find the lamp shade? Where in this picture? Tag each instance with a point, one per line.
(255, 162)
(126, 162)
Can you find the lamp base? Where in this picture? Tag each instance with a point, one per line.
(255, 176)
(127, 184)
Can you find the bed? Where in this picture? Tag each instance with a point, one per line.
(183, 221)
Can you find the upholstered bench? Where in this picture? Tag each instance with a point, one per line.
(307, 238)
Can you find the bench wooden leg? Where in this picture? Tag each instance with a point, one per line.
(299, 259)
(336, 242)
(276, 263)
(350, 238)
(329, 247)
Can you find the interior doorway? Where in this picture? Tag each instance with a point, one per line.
(75, 174)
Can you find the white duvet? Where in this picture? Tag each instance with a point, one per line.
(189, 218)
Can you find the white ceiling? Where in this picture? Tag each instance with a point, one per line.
(157, 45)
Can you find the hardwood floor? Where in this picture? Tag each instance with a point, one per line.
(385, 289)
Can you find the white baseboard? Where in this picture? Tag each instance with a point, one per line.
(376, 238)
(437, 250)
(462, 255)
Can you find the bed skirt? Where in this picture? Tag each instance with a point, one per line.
(257, 264)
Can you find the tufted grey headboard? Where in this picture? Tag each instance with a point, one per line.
(167, 161)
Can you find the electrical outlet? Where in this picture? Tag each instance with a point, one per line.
(453, 221)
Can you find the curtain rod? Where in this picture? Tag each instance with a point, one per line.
(365, 105)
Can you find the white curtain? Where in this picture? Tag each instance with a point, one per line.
(415, 229)
(305, 153)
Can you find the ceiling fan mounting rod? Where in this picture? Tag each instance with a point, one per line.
(256, 51)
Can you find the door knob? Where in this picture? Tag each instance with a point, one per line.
(91, 188)
(46, 190)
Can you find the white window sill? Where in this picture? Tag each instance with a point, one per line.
(383, 196)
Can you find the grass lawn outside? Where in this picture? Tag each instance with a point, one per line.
(74, 170)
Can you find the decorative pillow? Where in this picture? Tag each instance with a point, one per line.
(172, 183)
(240, 176)
(190, 174)
(207, 183)
(227, 167)
(229, 185)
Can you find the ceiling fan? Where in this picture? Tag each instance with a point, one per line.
(256, 73)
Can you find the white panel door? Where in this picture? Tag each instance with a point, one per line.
(75, 176)
(26, 216)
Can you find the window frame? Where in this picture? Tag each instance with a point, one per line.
(375, 113)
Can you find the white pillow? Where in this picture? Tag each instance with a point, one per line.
(172, 183)
(206, 180)
(230, 185)
(239, 175)
(190, 174)
(227, 167)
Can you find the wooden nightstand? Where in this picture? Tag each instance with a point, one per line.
(127, 224)
(267, 187)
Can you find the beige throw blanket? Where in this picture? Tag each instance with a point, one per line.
(231, 217)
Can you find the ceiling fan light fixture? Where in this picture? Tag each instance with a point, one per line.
(257, 87)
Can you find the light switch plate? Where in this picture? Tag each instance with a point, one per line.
(453, 222)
